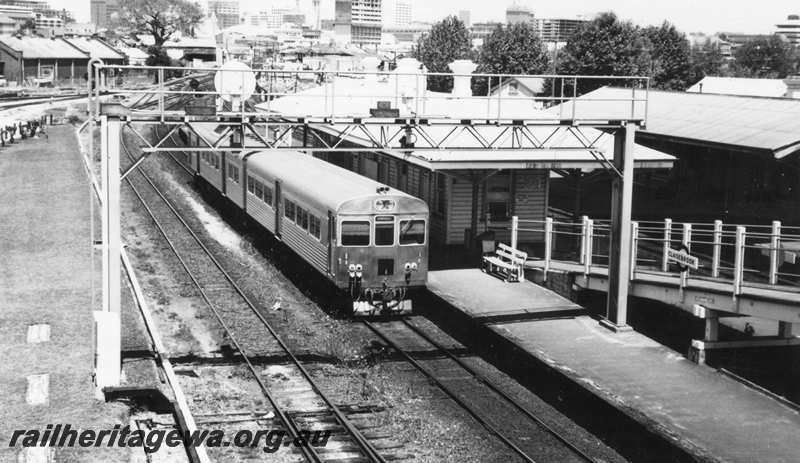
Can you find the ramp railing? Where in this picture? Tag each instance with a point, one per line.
(739, 255)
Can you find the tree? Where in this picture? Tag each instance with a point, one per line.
(706, 60)
(26, 27)
(514, 49)
(605, 46)
(670, 68)
(447, 41)
(160, 18)
(766, 57)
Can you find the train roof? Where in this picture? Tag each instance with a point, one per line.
(320, 181)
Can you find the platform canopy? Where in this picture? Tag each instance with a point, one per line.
(530, 146)
(739, 123)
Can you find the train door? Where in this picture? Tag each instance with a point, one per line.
(331, 240)
(278, 207)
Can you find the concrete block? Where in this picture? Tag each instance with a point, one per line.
(38, 392)
(38, 333)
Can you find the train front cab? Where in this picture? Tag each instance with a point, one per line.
(381, 257)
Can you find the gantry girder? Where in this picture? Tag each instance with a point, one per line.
(416, 124)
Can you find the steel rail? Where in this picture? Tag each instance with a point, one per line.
(368, 449)
(480, 377)
(488, 426)
(308, 452)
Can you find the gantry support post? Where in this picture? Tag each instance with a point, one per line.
(620, 231)
(107, 321)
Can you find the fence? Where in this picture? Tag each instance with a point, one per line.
(741, 255)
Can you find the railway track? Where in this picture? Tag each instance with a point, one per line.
(505, 417)
(522, 431)
(298, 402)
(28, 101)
(412, 343)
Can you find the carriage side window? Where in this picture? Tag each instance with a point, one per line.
(233, 172)
(355, 233)
(251, 184)
(412, 232)
(288, 209)
(314, 226)
(302, 217)
(268, 195)
(258, 189)
(384, 230)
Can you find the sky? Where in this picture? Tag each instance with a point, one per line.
(688, 15)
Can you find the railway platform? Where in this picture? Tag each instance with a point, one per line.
(46, 320)
(702, 413)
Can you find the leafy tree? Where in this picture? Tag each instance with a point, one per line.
(27, 26)
(605, 46)
(514, 49)
(160, 18)
(670, 68)
(766, 57)
(706, 60)
(447, 41)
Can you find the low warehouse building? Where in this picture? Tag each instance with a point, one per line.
(37, 60)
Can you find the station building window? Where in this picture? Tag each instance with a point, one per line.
(498, 197)
(441, 193)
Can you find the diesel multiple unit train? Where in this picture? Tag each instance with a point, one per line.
(368, 239)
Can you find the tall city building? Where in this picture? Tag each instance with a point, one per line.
(790, 29)
(359, 20)
(519, 14)
(226, 11)
(402, 13)
(464, 16)
(103, 11)
(317, 14)
(557, 29)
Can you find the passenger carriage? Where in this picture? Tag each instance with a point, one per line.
(368, 239)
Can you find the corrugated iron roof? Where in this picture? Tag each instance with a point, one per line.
(95, 48)
(356, 96)
(39, 47)
(742, 86)
(738, 122)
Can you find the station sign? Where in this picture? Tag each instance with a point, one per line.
(682, 257)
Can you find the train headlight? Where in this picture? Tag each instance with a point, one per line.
(407, 267)
(359, 270)
(414, 266)
(351, 270)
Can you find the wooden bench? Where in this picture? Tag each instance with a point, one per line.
(506, 261)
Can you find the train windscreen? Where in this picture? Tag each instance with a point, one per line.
(384, 230)
(412, 232)
(355, 233)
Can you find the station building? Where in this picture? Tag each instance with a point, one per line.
(737, 157)
(468, 192)
(39, 60)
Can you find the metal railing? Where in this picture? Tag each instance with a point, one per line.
(741, 255)
(333, 94)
